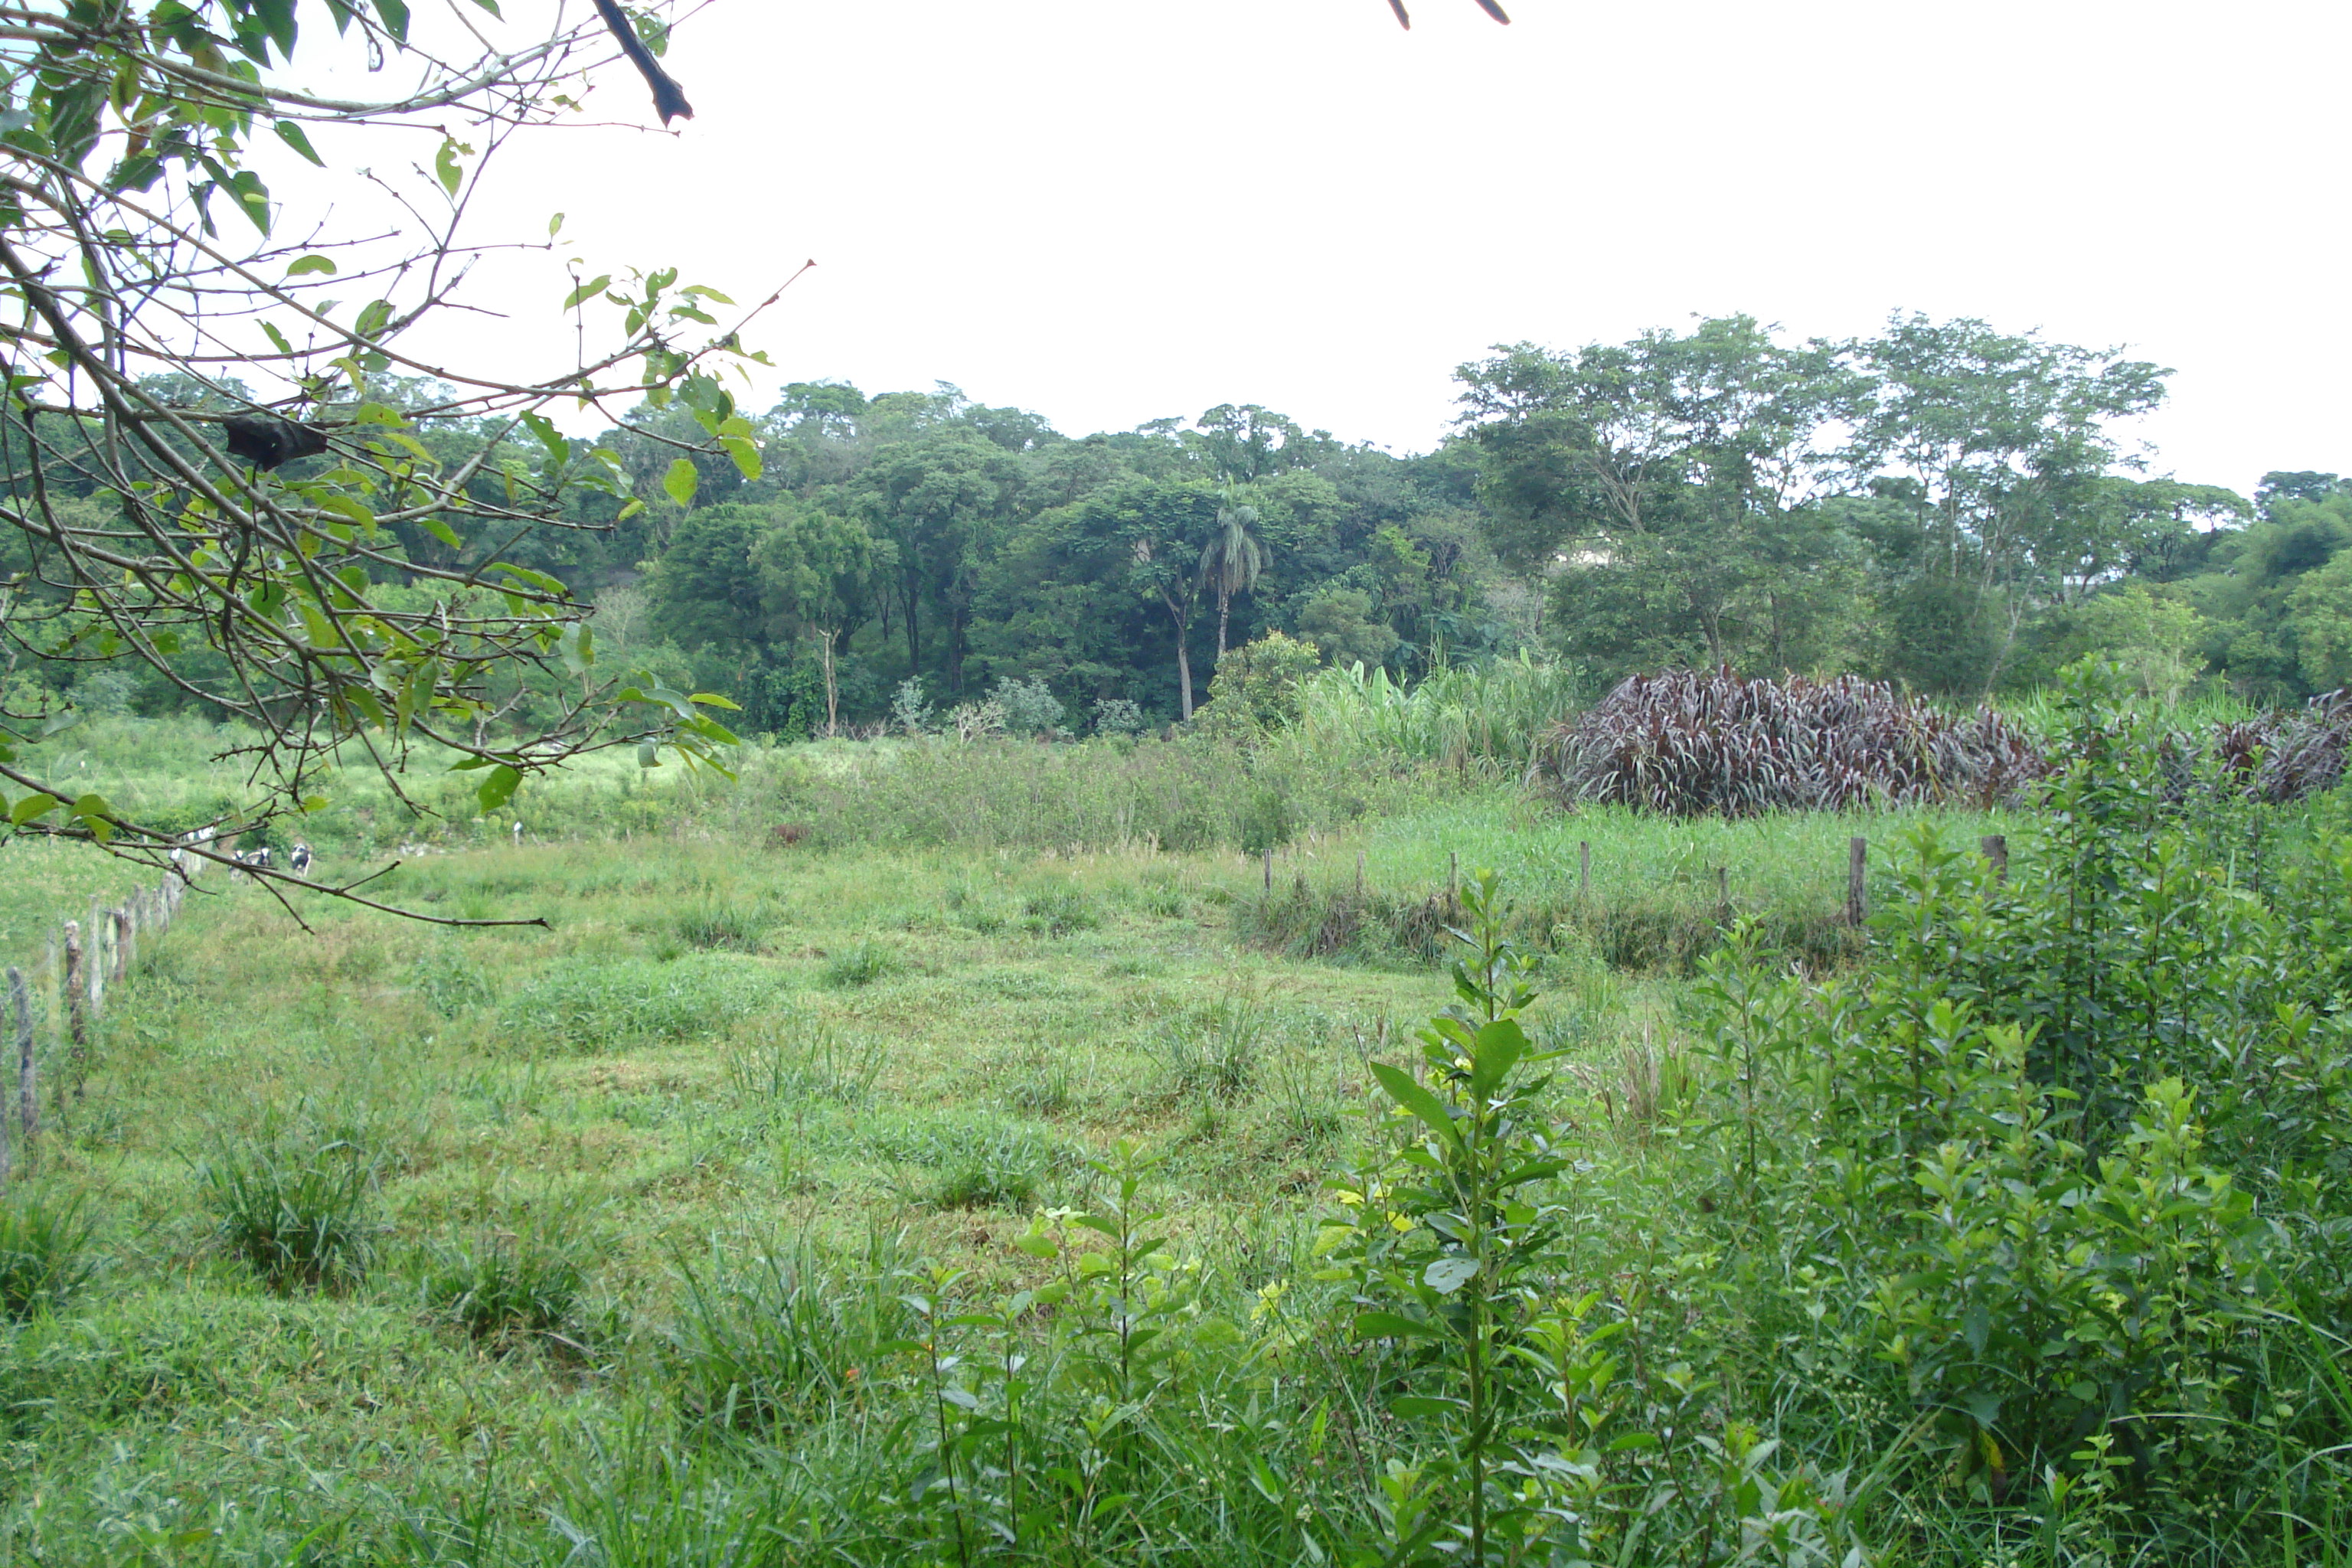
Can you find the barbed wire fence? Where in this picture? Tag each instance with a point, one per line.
(56, 1017)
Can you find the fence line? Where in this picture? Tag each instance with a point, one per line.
(84, 959)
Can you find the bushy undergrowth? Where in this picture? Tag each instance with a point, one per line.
(1493, 717)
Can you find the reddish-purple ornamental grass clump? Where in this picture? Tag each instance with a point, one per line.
(1689, 742)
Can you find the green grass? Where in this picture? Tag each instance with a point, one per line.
(322, 1163)
(596, 1242)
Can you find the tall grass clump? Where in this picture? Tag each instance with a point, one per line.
(799, 1057)
(2280, 756)
(45, 1252)
(505, 1289)
(766, 1339)
(1213, 1052)
(968, 1160)
(861, 965)
(295, 1209)
(1691, 742)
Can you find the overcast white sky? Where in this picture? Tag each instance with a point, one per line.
(1113, 210)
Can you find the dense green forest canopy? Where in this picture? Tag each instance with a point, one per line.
(1957, 508)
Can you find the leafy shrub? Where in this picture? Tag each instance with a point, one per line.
(500, 1289)
(593, 1001)
(1118, 716)
(45, 1256)
(1256, 687)
(1030, 707)
(909, 711)
(1690, 742)
(293, 1209)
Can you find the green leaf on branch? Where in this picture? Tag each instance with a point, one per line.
(33, 807)
(588, 290)
(1448, 1274)
(1394, 1326)
(746, 455)
(680, 483)
(1417, 1099)
(498, 788)
(1499, 1046)
(294, 136)
(92, 811)
(1422, 1404)
(311, 264)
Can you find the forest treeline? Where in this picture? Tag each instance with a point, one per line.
(1956, 509)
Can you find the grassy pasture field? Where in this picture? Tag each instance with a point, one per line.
(766, 1205)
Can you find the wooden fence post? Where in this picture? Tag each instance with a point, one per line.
(126, 940)
(1723, 892)
(28, 1099)
(1996, 849)
(22, 1007)
(1857, 882)
(1269, 869)
(1452, 879)
(1583, 868)
(77, 985)
(93, 960)
(1359, 876)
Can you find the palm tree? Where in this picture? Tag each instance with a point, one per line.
(1234, 559)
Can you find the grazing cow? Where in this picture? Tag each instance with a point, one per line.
(517, 834)
(299, 860)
